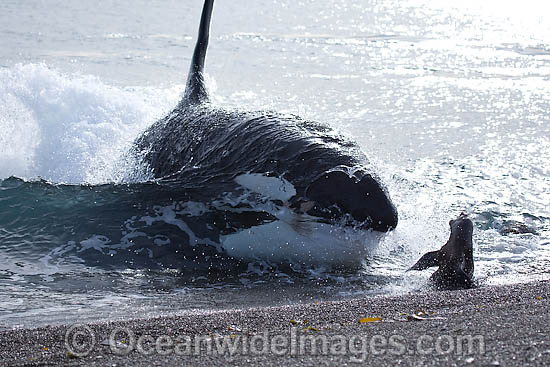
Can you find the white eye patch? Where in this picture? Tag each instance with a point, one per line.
(275, 188)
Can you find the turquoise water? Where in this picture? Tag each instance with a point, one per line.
(450, 102)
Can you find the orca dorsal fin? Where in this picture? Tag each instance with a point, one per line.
(195, 91)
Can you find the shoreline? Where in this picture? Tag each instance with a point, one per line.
(490, 325)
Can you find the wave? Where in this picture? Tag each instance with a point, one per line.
(72, 128)
(81, 202)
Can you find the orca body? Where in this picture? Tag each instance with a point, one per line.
(300, 169)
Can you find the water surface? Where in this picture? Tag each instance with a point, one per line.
(450, 101)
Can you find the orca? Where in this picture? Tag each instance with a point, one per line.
(455, 259)
(303, 169)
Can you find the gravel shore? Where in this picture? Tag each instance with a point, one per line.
(487, 326)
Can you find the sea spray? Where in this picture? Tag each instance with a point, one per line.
(71, 128)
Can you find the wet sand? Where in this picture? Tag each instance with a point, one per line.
(487, 326)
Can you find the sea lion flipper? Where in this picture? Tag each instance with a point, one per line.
(456, 278)
(468, 266)
(195, 91)
(427, 261)
(445, 279)
(462, 279)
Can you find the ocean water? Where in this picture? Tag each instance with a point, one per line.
(450, 101)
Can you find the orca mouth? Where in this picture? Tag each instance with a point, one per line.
(336, 195)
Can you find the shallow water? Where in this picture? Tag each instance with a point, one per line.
(450, 102)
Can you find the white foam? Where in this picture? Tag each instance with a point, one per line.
(169, 214)
(71, 128)
(96, 242)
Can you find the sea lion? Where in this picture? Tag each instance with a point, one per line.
(455, 259)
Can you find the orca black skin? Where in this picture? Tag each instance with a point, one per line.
(208, 147)
(455, 259)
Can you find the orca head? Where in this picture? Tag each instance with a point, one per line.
(336, 194)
